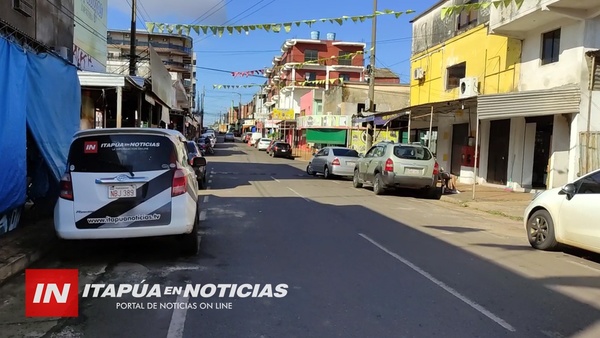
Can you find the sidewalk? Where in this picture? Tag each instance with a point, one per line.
(493, 200)
(302, 155)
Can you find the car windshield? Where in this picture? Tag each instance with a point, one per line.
(118, 153)
(412, 153)
(345, 152)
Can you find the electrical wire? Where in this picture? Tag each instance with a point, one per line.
(204, 17)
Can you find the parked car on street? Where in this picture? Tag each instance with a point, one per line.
(389, 165)
(129, 182)
(281, 149)
(333, 161)
(229, 137)
(193, 152)
(566, 215)
(263, 143)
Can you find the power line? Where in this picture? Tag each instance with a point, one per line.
(224, 71)
(204, 16)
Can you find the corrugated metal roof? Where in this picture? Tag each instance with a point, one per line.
(559, 100)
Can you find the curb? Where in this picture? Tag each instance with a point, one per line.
(465, 204)
(21, 261)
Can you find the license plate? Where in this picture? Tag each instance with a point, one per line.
(283, 150)
(121, 191)
(412, 171)
(350, 163)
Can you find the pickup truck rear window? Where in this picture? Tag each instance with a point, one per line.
(412, 153)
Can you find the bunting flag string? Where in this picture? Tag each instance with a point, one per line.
(457, 9)
(248, 73)
(186, 29)
(251, 85)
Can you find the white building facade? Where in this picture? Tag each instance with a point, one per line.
(548, 116)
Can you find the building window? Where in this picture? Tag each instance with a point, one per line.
(454, 74)
(345, 59)
(345, 77)
(466, 18)
(318, 107)
(310, 76)
(311, 55)
(550, 47)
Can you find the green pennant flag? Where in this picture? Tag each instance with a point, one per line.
(409, 11)
(519, 3)
(179, 29)
(507, 3)
(345, 17)
(340, 21)
(388, 11)
(445, 12)
(287, 27)
(186, 29)
(486, 5)
(325, 20)
(362, 18)
(497, 3)
(267, 27)
(161, 27)
(170, 29)
(355, 18)
(196, 28)
(229, 29)
(204, 29)
(260, 26)
(276, 28)
(215, 86)
(298, 23)
(150, 26)
(238, 29)
(213, 29)
(252, 27)
(378, 13)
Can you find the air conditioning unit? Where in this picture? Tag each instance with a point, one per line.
(24, 7)
(418, 74)
(468, 87)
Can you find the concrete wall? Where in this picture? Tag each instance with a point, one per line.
(344, 100)
(306, 104)
(51, 22)
(430, 29)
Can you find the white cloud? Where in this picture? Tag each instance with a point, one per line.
(183, 11)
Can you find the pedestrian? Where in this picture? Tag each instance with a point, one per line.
(449, 181)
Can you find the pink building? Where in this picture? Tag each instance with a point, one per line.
(306, 103)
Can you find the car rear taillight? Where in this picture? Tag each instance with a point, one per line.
(275, 148)
(336, 161)
(179, 183)
(389, 165)
(436, 169)
(66, 187)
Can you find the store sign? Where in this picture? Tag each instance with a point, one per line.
(283, 114)
(324, 121)
(89, 35)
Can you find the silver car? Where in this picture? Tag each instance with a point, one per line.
(333, 161)
(389, 165)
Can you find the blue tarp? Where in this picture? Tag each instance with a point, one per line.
(42, 91)
(13, 166)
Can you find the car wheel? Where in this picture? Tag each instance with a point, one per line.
(540, 231)
(309, 170)
(326, 174)
(378, 187)
(190, 242)
(356, 180)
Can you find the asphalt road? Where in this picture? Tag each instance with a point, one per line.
(356, 265)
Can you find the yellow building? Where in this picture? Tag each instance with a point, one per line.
(454, 60)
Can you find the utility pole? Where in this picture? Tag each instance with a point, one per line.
(202, 107)
(132, 55)
(239, 111)
(370, 125)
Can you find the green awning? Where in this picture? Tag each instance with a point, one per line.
(326, 136)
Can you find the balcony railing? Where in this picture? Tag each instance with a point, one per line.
(154, 44)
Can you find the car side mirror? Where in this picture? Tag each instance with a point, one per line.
(199, 162)
(568, 190)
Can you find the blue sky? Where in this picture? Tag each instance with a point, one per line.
(241, 52)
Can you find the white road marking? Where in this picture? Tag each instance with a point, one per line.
(205, 199)
(202, 216)
(446, 232)
(178, 319)
(295, 192)
(583, 265)
(210, 176)
(209, 181)
(336, 182)
(276, 180)
(381, 197)
(441, 284)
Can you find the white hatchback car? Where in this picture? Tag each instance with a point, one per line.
(566, 215)
(129, 182)
(263, 143)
